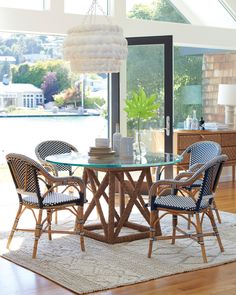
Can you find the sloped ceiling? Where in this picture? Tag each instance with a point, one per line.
(194, 18)
(232, 5)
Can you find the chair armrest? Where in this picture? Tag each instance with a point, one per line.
(161, 169)
(176, 183)
(50, 168)
(195, 167)
(186, 174)
(54, 181)
(68, 180)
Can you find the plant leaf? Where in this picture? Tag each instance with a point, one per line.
(139, 106)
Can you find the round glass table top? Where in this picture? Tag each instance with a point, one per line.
(83, 160)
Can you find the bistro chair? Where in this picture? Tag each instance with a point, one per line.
(197, 154)
(37, 192)
(54, 147)
(182, 206)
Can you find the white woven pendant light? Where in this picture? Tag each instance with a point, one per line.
(95, 48)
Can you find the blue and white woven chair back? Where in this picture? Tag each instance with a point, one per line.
(54, 147)
(202, 152)
(212, 171)
(25, 173)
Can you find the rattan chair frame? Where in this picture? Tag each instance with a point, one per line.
(52, 147)
(199, 155)
(194, 165)
(212, 170)
(37, 191)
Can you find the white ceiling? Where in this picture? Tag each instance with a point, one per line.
(213, 13)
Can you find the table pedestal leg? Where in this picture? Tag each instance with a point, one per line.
(110, 227)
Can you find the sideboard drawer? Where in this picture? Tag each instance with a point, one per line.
(186, 140)
(211, 137)
(230, 152)
(228, 139)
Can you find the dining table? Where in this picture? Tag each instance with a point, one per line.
(118, 186)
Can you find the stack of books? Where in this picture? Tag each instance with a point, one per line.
(101, 155)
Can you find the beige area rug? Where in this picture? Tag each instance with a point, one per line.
(105, 266)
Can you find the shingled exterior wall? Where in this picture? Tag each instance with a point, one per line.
(217, 69)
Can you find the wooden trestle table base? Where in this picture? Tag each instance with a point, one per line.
(117, 219)
(112, 221)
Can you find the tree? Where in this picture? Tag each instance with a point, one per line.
(69, 96)
(18, 48)
(145, 65)
(34, 74)
(145, 69)
(63, 73)
(165, 11)
(5, 70)
(161, 10)
(187, 71)
(141, 11)
(4, 50)
(32, 45)
(50, 86)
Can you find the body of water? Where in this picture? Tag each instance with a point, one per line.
(21, 135)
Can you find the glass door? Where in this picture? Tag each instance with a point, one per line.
(149, 67)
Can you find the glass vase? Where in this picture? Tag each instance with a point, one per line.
(139, 147)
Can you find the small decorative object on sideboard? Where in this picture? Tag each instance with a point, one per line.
(202, 124)
(187, 123)
(194, 123)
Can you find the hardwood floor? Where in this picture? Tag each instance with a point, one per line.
(218, 280)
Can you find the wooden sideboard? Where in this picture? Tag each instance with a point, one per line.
(227, 140)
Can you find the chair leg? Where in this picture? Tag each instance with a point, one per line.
(56, 217)
(216, 211)
(200, 237)
(37, 232)
(174, 225)
(215, 229)
(49, 221)
(192, 193)
(17, 218)
(189, 221)
(56, 213)
(152, 231)
(79, 224)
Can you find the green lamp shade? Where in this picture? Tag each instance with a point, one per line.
(192, 94)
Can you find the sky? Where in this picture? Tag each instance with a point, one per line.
(130, 3)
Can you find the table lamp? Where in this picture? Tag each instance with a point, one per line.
(227, 97)
(192, 94)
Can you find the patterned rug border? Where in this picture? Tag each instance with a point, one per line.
(11, 257)
(38, 273)
(118, 285)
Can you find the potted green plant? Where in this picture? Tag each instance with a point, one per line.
(139, 108)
